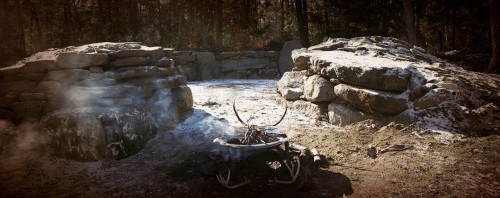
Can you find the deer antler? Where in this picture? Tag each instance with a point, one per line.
(286, 109)
(236, 112)
(241, 121)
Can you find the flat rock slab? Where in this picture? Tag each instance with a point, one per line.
(366, 71)
(39, 66)
(371, 101)
(30, 66)
(91, 134)
(75, 60)
(153, 52)
(130, 61)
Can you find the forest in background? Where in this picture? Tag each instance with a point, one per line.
(458, 30)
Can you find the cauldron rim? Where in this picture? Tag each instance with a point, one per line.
(223, 143)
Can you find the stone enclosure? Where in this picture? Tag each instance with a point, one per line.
(106, 100)
(103, 100)
(350, 80)
(227, 65)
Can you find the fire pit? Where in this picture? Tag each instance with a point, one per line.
(251, 140)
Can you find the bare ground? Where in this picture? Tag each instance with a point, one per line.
(176, 162)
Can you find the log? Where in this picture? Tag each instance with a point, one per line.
(315, 153)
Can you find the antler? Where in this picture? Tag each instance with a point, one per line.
(286, 109)
(241, 121)
(234, 108)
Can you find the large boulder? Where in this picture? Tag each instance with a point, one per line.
(291, 85)
(366, 71)
(285, 60)
(301, 59)
(183, 97)
(208, 66)
(372, 101)
(80, 60)
(389, 79)
(90, 134)
(319, 89)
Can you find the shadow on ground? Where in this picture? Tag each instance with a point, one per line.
(175, 163)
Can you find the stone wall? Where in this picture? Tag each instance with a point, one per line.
(227, 65)
(103, 100)
(349, 80)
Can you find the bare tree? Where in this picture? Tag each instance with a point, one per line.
(409, 13)
(495, 41)
(302, 21)
(218, 23)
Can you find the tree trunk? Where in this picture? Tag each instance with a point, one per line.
(302, 21)
(11, 33)
(218, 23)
(409, 12)
(67, 24)
(282, 16)
(495, 41)
(134, 19)
(454, 26)
(327, 21)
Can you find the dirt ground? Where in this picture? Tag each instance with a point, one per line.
(176, 162)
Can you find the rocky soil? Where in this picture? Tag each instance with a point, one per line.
(358, 160)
